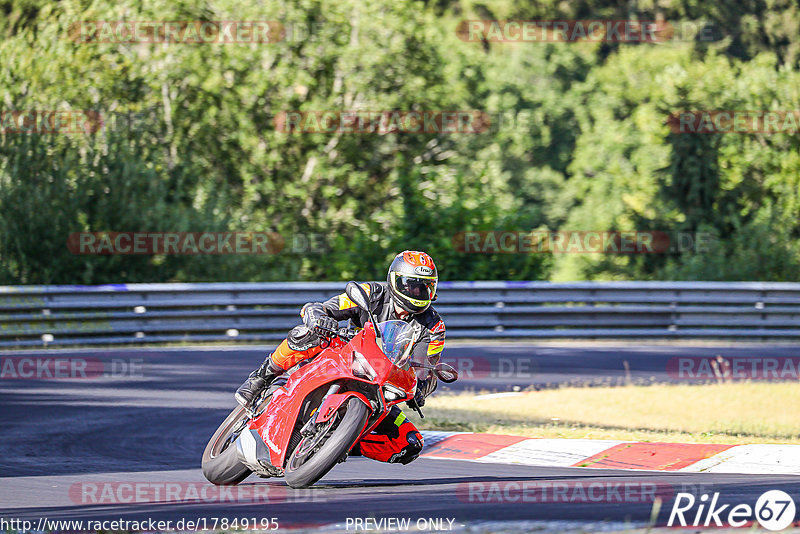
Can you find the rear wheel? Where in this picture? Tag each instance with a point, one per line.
(315, 455)
(221, 463)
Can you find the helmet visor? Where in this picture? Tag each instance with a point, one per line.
(419, 289)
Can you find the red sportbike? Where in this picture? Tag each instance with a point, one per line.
(305, 424)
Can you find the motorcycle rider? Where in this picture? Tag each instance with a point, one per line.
(406, 295)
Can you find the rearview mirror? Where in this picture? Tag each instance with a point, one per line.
(357, 294)
(446, 373)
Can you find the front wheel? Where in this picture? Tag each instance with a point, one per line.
(314, 456)
(221, 463)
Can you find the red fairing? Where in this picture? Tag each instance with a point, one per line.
(406, 380)
(333, 402)
(275, 425)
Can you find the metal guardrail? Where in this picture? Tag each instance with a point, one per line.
(150, 313)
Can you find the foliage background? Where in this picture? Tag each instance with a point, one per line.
(190, 144)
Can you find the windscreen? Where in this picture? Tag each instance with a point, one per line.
(397, 336)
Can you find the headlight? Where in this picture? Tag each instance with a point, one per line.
(361, 367)
(391, 392)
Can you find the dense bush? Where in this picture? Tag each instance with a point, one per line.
(579, 140)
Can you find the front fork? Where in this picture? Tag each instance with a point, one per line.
(309, 428)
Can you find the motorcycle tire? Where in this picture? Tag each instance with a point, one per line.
(338, 444)
(223, 467)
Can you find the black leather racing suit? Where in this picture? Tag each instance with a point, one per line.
(340, 307)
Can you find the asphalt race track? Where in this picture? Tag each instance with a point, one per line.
(71, 446)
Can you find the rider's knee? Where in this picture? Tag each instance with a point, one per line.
(411, 451)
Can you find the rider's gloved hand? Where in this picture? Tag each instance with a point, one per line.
(419, 394)
(325, 326)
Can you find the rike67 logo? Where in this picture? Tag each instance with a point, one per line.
(774, 510)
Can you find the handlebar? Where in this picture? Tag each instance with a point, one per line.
(346, 333)
(328, 335)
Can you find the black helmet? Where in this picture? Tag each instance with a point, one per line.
(412, 281)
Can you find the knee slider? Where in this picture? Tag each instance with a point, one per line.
(415, 442)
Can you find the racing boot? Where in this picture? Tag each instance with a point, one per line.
(257, 382)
